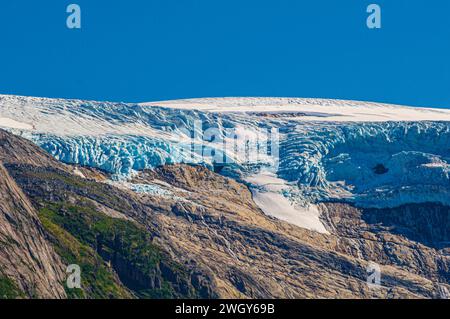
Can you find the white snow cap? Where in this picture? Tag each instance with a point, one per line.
(311, 109)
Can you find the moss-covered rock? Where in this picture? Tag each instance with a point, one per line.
(8, 289)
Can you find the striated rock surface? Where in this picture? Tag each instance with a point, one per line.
(255, 256)
(26, 257)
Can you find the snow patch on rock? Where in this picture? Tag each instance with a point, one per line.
(269, 194)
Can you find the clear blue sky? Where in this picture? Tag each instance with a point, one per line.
(138, 50)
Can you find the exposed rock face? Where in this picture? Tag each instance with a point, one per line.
(87, 217)
(428, 224)
(25, 255)
(252, 255)
(213, 240)
(14, 149)
(394, 237)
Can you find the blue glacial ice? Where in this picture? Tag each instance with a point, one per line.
(370, 163)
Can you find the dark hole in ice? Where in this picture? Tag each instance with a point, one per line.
(380, 169)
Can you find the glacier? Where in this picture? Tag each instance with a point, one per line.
(369, 154)
(340, 162)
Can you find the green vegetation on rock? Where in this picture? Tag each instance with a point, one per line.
(98, 281)
(8, 289)
(104, 246)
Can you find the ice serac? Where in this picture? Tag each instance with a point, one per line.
(369, 154)
(372, 164)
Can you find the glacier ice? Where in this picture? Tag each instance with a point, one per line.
(369, 154)
(339, 161)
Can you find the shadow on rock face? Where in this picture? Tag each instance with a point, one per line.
(427, 223)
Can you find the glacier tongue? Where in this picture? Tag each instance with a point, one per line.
(369, 154)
